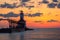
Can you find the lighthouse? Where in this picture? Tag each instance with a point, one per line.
(21, 15)
(21, 23)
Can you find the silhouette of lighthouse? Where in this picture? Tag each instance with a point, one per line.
(21, 23)
(21, 15)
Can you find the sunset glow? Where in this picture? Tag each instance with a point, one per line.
(49, 15)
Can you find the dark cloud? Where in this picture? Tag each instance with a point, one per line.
(55, 0)
(52, 5)
(6, 5)
(45, 1)
(37, 21)
(58, 6)
(34, 15)
(29, 7)
(25, 0)
(10, 14)
(52, 20)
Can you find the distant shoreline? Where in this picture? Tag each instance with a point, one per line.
(9, 30)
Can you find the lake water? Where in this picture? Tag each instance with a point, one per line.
(37, 34)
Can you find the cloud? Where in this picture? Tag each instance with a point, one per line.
(34, 15)
(25, 0)
(58, 6)
(10, 14)
(52, 5)
(29, 7)
(37, 21)
(52, 20)
(14, 4)
(45, 1)
(55, 0)
(6, 5)
(23, 4)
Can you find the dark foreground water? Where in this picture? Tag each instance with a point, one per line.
(37, 34)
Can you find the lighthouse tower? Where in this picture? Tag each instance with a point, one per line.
(21, 23)
(21, 15)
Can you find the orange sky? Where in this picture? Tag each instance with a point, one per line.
(48, 13)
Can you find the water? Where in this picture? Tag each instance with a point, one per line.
(37, 34)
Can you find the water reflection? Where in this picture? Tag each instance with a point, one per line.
(32, 35)
(22, 36)
(16, 36)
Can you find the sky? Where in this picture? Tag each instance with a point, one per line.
(38, 13)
